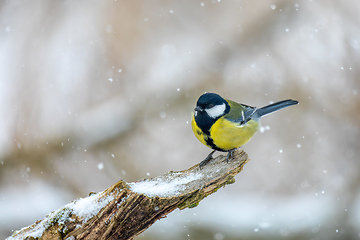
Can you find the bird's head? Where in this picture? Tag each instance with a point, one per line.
(211, 105)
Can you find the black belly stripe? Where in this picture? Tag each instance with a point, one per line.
(205, 123)
(210, 142)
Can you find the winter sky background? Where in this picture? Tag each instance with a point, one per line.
(92, 92)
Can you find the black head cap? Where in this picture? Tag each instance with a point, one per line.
(209, 100)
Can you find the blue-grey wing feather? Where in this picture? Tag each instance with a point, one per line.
(246, 115)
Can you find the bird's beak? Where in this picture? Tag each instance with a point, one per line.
(198, 109)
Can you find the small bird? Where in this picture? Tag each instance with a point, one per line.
(225, 125)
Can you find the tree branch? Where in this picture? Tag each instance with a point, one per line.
(124, 210)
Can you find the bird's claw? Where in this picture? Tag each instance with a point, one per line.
(229, 155)
(207, 159)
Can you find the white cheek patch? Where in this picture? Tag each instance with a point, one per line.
(216, 111)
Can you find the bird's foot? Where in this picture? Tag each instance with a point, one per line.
(230, 155)
(207, 159)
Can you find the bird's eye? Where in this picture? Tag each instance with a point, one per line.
(211, 105)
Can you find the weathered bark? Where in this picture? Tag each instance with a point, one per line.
(124, 210)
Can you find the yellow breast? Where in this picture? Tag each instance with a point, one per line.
(197, 131)
(229, 135)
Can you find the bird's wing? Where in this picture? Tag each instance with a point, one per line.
(239, 113)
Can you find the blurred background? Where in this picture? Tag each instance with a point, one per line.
(92, 92)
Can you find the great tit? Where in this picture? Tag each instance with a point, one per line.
(225, 125)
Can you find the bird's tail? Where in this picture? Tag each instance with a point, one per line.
(274, 107)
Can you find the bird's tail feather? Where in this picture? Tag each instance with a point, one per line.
(274, 107)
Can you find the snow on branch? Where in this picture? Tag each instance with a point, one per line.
(124, 210)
